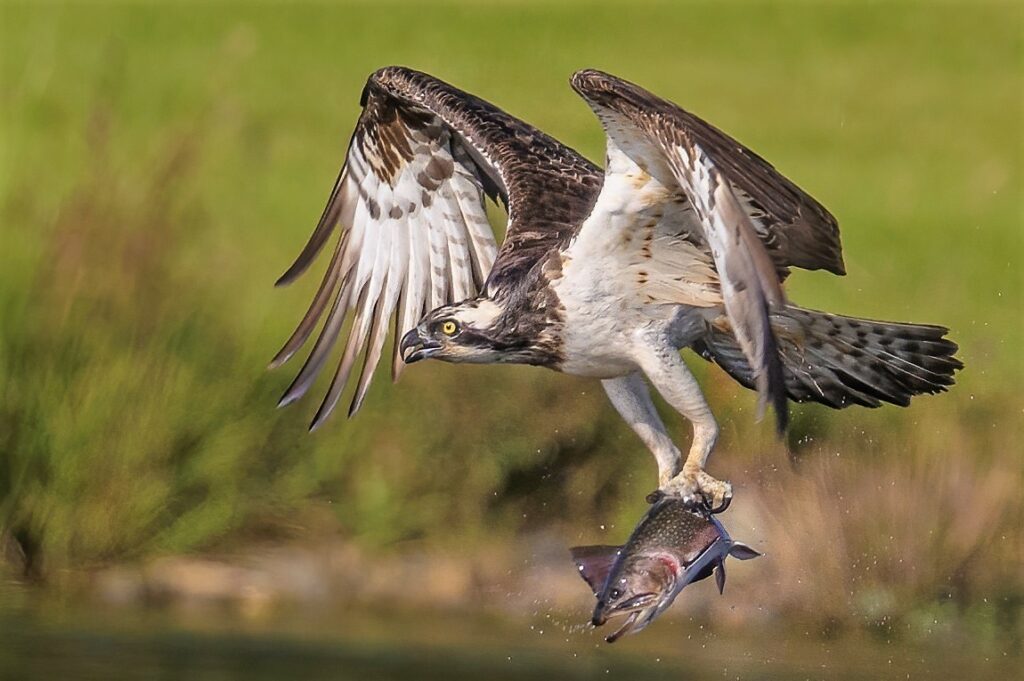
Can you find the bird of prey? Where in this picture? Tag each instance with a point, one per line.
(683, 240)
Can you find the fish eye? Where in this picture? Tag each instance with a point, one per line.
(449, 327)
(614, 594)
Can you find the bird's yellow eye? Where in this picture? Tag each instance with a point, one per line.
(449, 328)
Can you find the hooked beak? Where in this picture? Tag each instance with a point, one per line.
(414, 347)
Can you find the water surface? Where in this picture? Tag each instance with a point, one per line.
(400, 645)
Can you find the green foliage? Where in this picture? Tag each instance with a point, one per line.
(161, 164)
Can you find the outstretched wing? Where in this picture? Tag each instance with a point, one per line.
(796, 230)
(411, 202)
(723, 184)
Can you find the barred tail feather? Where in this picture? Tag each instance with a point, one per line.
(839, 361)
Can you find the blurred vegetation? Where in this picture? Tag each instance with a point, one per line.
(161, 164)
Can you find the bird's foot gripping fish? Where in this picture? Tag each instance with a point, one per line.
(671, 547)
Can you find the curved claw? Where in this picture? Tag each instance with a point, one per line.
(655, 496)
(720, 508)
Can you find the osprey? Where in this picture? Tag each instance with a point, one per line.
(682, 241)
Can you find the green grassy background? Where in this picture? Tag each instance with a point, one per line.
(162, 163)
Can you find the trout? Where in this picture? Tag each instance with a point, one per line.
(671, 547)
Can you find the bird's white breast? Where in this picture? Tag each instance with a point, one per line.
(629, 273)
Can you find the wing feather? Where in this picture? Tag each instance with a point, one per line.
(315, 361)
(458, 247)
(483, 249)
(324, 228)
(389, 301)
(357, 335)
(414, 296)
(440, 270)
(366, 308)
(750, 285)
(328, 286)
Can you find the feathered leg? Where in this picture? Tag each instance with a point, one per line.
(632, 399)
(661, 362)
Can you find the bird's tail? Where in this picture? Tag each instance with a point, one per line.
(839, 361)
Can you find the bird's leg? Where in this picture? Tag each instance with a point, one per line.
(632, 399)
(666, 370)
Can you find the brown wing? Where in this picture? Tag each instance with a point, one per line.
(546, 187)
(410, 199)
(647, 135)
(796, 230)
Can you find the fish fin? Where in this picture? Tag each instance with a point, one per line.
(742, 551)
(720, 576)
(594, 563)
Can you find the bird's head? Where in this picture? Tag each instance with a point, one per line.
(464, 332)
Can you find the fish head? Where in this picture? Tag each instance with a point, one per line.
(637, 589)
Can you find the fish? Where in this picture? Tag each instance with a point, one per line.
(672, 546)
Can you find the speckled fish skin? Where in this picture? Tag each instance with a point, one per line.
(669, 524)
(671, 547)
